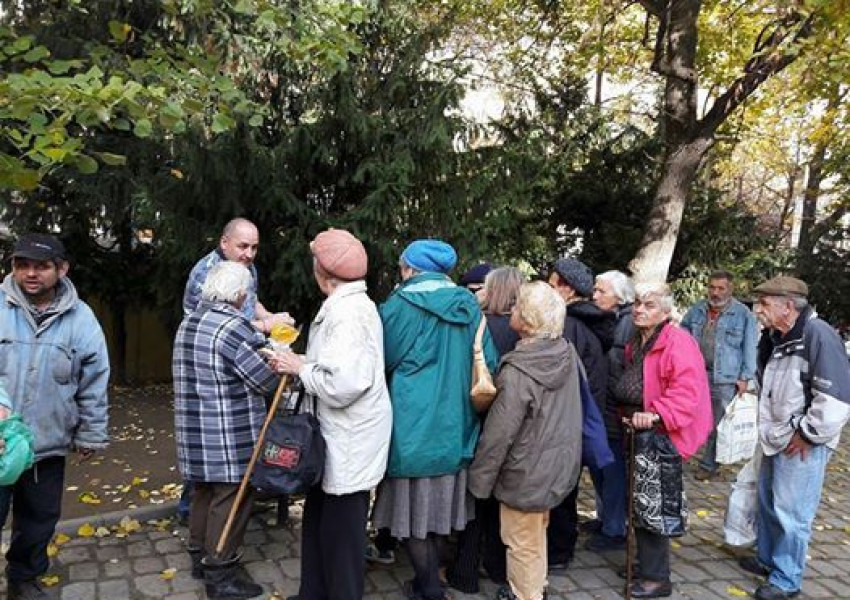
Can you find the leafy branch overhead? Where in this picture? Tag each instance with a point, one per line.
(132, 82)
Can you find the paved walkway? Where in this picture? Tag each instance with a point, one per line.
(138, 566)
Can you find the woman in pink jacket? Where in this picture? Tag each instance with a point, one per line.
(663, 384)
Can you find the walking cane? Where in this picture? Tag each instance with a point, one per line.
(243, 486)
(630, 529)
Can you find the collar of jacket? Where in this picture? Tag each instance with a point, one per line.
(15, 296)
(796, 331)
(349, 288)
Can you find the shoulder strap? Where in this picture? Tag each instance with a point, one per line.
(479, 335)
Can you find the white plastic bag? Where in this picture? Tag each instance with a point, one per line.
(737, 432)
(739, 526)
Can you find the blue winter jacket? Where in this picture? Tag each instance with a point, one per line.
(735, 340)
(55, 373)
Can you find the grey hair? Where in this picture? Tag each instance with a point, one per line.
(800, 303)
(501, 286)
(541, 308)
(621, 283)
(660, 290)
(225, 282)
(403, 265)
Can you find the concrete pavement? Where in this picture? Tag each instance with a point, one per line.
(136, 567)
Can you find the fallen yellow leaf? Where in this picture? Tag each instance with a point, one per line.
(702, 513)
(101, 532)
(52, 550)
(168, 574)
(734, 590)
(50, 580)
(61, 538)
(89, 498)
(85, 530)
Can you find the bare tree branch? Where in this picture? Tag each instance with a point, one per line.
(772, 53)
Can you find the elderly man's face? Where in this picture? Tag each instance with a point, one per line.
(604, 296)
(719, 292)
(648, 312)
(241, 244)
(773, 312)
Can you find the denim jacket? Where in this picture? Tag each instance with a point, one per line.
(736, 340)
(55, 373)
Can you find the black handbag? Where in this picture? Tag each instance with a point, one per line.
(660, 504)
(292, 459)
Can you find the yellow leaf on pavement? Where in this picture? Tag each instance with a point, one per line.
(50, 580)
(61, 538)
(129, 525)
(85, 530)
(734, 590)
(52, 550)
(702, 514)
(101, 532)
(168, 574)
(89, 498)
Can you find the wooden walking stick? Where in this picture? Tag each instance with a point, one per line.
(228, 525)
(630, 528)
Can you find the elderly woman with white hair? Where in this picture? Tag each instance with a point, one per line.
(613, 291)
(221, 382)
(663, 385)
(529, 456)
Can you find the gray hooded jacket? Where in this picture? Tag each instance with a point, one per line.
(529, 456)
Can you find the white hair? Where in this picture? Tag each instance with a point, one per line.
(621, 284)
(226, 282)
(542, 309)
(660, 290)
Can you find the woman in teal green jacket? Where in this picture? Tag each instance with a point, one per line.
(429, 329)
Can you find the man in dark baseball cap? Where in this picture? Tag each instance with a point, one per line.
(39, 246)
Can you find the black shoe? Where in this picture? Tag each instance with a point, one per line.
(592, 526)
(30, 589)
(651, 589)
(768, 591)
(197, 555)
(751, 565)
(600, 542)
(226, 581)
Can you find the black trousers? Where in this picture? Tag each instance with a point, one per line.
(333, 537)
(480, 538)
(653, 554)
(562, 534)
(36, 503)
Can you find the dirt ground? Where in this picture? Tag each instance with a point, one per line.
(138, 468)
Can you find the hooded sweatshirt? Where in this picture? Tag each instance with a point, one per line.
(56, 370)
(529, 456)
(429, 329)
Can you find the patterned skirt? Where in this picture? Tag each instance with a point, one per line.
(418, 506)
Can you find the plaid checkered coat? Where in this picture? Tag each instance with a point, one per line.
(220, 385)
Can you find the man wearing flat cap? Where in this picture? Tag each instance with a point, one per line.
(55, 368)
(803, 405)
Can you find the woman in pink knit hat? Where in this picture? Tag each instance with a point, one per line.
(344, 370)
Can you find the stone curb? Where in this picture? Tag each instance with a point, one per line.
(141, 514)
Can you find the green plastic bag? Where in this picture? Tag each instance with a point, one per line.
(18, 455)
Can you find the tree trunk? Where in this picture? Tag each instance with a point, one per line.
(652, 260)
(811, 194)
(687, 139)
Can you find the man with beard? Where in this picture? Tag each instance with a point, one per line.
(727, 334)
